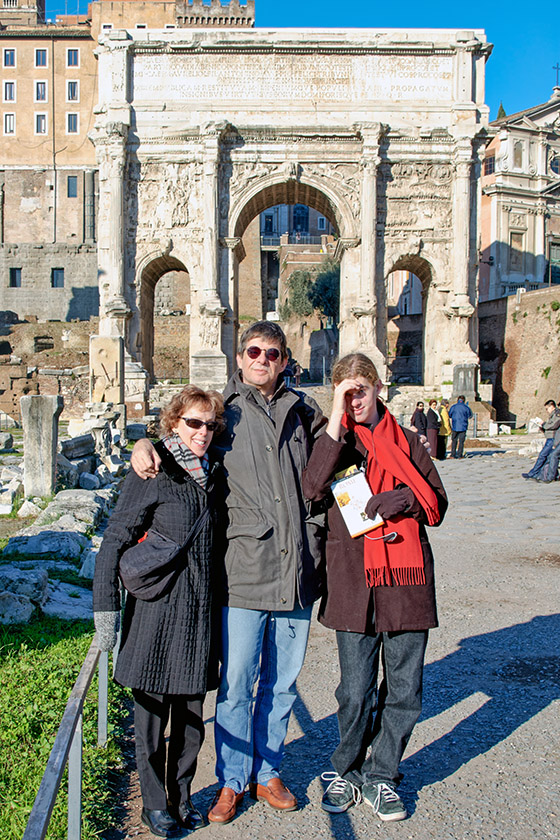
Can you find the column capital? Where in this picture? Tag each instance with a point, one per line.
(235, 245)
(345, 244)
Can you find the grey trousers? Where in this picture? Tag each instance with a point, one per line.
(381, 719)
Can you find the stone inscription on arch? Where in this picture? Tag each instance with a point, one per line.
(207, 77)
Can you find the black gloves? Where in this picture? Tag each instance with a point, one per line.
(388, 504)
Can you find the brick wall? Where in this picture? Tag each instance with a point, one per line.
(78, 299)
(520, 352)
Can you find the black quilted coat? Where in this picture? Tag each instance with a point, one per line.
(166, 645)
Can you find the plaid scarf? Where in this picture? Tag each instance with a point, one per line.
(197, 467)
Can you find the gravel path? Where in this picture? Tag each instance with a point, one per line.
(484, 760)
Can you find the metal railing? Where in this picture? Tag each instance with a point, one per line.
(304, 239)
(270, 241)
(67, 750)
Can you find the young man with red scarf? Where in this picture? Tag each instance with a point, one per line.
(380, 587)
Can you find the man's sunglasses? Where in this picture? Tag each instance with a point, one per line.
(195, 423)
(272, 354)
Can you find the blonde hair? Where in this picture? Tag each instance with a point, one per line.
(189, 396)
(352, 365)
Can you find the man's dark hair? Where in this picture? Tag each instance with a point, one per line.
(267, 330)
(461, 398)
(420, 403)
(550, 402)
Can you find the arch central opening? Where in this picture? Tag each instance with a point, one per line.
(289, 233)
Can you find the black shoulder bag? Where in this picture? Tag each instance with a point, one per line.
(150, 568)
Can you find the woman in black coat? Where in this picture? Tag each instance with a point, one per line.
(165, 651)
(418, 420)
(433, 421)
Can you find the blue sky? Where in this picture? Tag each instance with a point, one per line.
(526, 46)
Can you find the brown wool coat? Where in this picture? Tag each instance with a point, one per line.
(349, 604)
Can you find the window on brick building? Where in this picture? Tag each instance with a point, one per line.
(72, 57)
(72, 186)
(321, 223)
(15, 278)
(40, 58)
(57, 278)
(73, 92)
(40, 91)
(9, 123)
(40, 123)
(71, 123)
(9, 92)
(490, 164)
(9, 58)
(555, 165)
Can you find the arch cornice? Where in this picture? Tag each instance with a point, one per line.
(298, 188)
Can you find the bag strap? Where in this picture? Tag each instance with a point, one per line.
(196, 528)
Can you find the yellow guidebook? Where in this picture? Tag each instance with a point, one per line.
(352, 492)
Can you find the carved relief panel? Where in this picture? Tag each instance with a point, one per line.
(415, 196)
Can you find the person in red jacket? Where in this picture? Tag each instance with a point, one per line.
(380, 595)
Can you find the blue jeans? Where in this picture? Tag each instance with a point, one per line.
(250, 730)
(543, 455)
(383, 718)
(549, 472)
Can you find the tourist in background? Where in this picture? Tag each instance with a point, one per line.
(444, 430)
(549, 470)
(380, 587)
(418, 422)
(165, 651)
(549, 427)
(433, 423)
(459, 414)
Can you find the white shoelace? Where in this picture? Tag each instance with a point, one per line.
(385, 792)
(338, 785)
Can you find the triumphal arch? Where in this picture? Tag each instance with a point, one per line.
(381, 131)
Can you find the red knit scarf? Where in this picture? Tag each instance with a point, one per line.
(400, 562)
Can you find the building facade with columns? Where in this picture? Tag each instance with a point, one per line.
(382, 132)
(520, 221)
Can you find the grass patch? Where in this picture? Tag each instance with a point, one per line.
(70, 576)
(39, 663)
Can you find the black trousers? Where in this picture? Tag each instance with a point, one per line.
(381, 719)
(151, 715)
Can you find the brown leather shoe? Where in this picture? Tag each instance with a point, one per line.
(275, 793)
(224, 806)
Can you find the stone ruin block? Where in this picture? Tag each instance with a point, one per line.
(106, 362)
(40, 434)
(15, 609)
(77, 447)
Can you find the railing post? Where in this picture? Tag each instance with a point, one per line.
(103, 699)
(75, 783)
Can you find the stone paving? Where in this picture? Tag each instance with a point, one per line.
(483, 761)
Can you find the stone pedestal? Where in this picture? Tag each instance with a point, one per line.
(136, 389)
(209, 369)
(465, 381)
(106, 369)
(40, 435)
